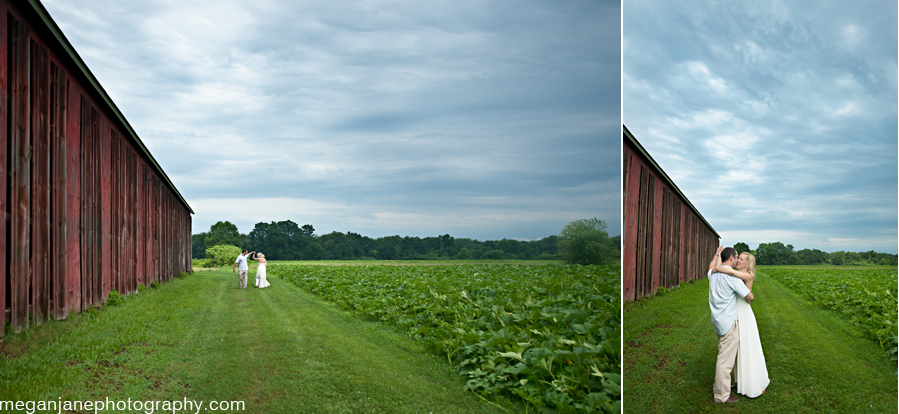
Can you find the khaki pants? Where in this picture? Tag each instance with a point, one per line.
(241, 279)
(728, 346)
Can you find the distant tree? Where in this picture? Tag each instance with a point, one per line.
(586, 241)
(198, 245)
(281, 240)
(341, 246)
(464, 254)
(494, 255)
(776, 254)
(313, 251)
(548, 247)
(741, 247)
(888, 259)
(223, 233)
(837, 258)
(446, 241)
(811, 256)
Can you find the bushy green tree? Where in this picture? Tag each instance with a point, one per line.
(221, 255)
(776, 254)
(282, 240)
(811, 256)
(313, 251)
(223, 232)
(586, 241)
(741, 247)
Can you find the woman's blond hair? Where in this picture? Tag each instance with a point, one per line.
(750, 263)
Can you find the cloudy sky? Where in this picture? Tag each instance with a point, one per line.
(777, 119)
(481, 119)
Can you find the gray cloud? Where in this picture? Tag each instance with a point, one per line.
(777, 119)
(479, 119)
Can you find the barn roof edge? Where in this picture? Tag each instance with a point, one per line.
(57, 33)
(633, 140)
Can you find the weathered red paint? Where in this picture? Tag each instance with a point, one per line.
(631, 196)
(665, 243)
(59, 197)
(682, 271)
(89, 209)
(19, 194)
(657, 236)
(141, 222)
(40, 193)
(105, 265)
(73, 198)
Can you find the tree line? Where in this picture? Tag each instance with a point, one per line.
(779, 254)
(582, 241)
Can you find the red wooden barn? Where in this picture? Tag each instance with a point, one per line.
(87, 208)
(666, 240)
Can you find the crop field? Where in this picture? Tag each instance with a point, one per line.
(865, 297)
(546, 336)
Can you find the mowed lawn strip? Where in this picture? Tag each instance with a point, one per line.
(816, 361)
(277, 349)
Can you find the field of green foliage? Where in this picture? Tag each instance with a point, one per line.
(546, 336)
(865, 297)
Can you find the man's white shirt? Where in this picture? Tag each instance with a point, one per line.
(242, 263)
(723, 291)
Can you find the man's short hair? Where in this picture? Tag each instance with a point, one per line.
(727, 253)
(244, 250)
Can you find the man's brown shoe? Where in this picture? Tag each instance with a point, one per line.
(731, 399)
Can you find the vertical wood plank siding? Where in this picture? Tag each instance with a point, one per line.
(40, 194)
(86, 209)
(19, 240)
(666, 241)
(59, 197)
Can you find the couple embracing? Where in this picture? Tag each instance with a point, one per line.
(739, 347)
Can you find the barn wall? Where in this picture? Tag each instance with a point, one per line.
(88, 209)
(666, 241)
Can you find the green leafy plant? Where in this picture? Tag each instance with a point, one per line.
(115, 299)
(200, 263)
(221, 255)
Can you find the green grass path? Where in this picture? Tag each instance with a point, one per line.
(279, 350)
(817, 363)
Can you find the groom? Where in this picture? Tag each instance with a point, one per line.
(723, 291)
(241, 264)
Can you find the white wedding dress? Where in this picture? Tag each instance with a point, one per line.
(260, 277)
(751, 372)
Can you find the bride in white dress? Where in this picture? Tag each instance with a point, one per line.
(751, 370)
(260, 272)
